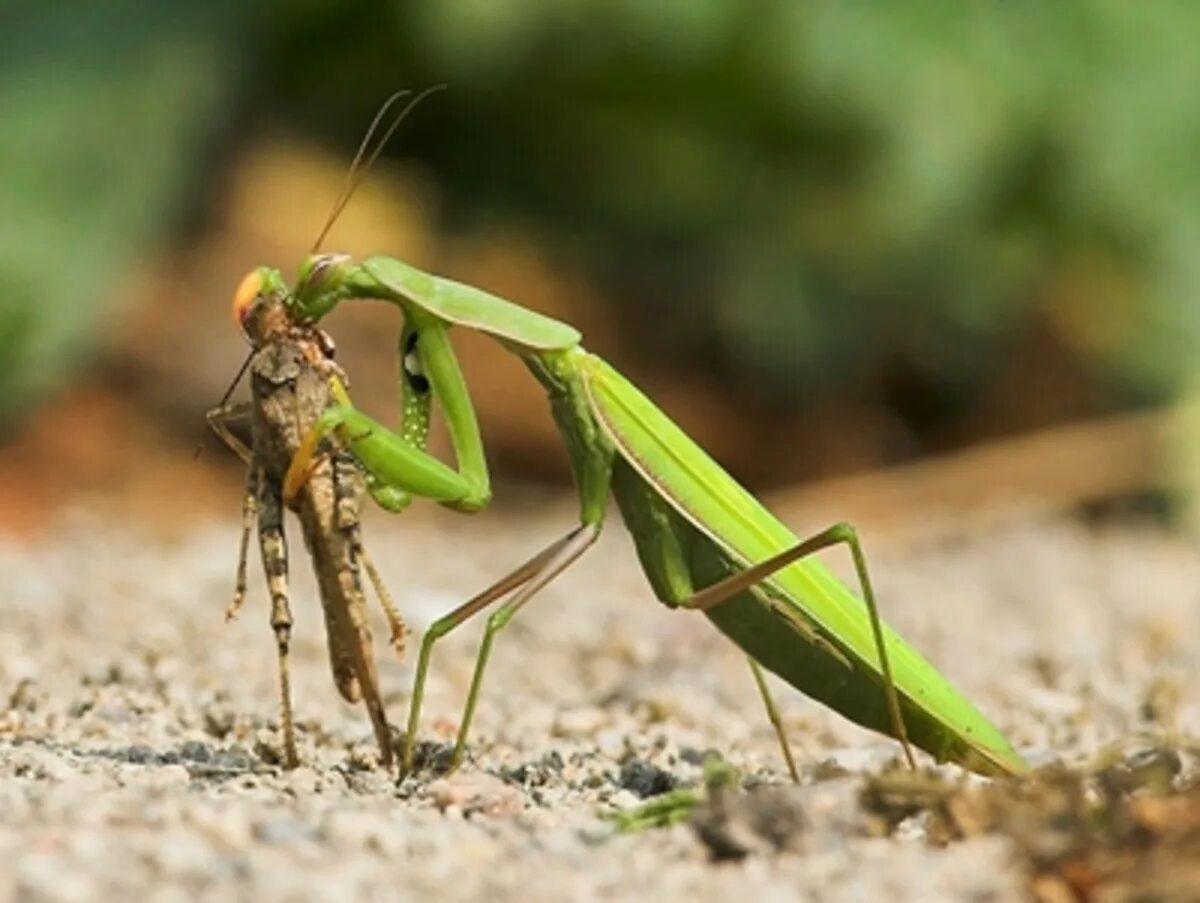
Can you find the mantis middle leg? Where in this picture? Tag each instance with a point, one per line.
(526, 580)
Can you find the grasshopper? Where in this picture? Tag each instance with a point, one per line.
(291, 367)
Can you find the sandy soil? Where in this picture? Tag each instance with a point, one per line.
(137, 729)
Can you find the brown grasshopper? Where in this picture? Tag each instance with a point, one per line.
(291, 369)
(293, 380)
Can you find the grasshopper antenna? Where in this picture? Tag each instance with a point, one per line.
(237, 378)
(366, 155)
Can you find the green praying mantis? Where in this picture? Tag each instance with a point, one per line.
(704, 542)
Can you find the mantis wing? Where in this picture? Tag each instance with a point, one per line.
(712, 501)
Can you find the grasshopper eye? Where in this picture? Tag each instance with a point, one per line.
(246, 294)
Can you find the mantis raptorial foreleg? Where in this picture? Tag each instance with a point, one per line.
(396, 464)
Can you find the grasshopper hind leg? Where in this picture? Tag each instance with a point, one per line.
(273, 546)
(353, 625)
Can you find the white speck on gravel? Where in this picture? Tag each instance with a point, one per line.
(137, 729)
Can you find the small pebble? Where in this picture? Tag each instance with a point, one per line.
(477, 793)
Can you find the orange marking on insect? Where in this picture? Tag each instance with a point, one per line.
(245, 295)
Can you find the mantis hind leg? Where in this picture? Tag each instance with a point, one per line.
(527, 579)
(714, 595)
(773, 716)
(663, 539)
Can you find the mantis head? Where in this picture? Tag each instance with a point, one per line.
(320, 285)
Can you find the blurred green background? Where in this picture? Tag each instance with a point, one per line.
(960, 219)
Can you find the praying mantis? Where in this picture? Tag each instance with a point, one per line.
(704, 542)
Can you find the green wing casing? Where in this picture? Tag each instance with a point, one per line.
(716, 505)
(465, 305)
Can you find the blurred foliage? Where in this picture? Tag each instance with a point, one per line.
(106, 111)
(812, 195)
(819, 191)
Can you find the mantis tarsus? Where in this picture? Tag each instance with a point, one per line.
(704, 542)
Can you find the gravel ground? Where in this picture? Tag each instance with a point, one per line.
(137, 729)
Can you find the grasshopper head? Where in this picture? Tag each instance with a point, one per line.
(259, 304)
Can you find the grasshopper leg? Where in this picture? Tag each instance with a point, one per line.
(399, 630)
(273, 546)
(352, 623)
(839, 533)
(529, 578)
(348, 522)
(219, 419)
(249, 515)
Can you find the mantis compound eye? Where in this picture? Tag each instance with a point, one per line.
(317, 289)
(245, 295)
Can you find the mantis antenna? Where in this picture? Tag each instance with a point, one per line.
(364, 159)
(366, 155)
